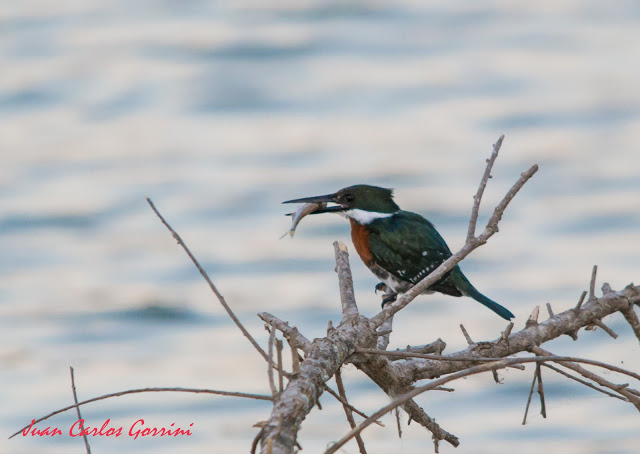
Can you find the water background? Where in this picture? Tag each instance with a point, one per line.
(219, 111)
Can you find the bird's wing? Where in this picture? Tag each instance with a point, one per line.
(408, 246)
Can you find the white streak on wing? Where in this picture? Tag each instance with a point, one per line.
(365, 217)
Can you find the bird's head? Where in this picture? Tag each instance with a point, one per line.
(372, 199)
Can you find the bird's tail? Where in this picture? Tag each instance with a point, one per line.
(463, 284)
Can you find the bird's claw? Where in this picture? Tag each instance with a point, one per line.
(389, 298)
(381, 287)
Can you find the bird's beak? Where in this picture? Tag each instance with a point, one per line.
(328, 198)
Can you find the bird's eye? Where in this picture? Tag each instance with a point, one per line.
(348, 198)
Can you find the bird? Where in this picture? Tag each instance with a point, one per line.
(399, 247)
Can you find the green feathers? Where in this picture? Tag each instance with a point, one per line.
(409, 247)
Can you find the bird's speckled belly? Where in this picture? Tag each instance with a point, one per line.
(397, 285)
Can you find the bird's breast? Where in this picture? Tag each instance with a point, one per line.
(360, 238)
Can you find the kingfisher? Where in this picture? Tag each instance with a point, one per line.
(399, 247)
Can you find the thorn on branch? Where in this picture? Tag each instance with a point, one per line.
(580, 301)
(605, 328)
(496, 377)
(592, 284)
(345, 281)
(551, 315)
(533, 318)
(466, 335)
(507, 332)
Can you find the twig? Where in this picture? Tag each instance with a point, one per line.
(549, 310)
(434, 347)
(347, 404)
(533, 318)
(605, 328)
(348, 412)
(466, 335)
(345, 280)
(496, 377)
(632, 318)
(256, 440)
(417, 414)
(628, 393)
(291, 333)
(75, 399)
(581, 300)
(507, 332)
(405, 354)
(149, 390)
(295, 359)
(211, 285)
(526, 409)
(543, 407)
(280, 371)
(471, 231)
(592, 284)
(399, 424)
(270, 365)
(384, 333)
(584, 382)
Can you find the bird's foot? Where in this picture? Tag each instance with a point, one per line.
(381, 287)
(389, 298)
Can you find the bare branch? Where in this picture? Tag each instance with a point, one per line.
(628, 393)
(348, 412)
(347, 404)
(290, 333)
(280, 371)
(581, 300)
(345, 280)
(466, 335)
(543, 407)
(398, 423)
(632, 318)
(549, 310)
(465, 373)
(211, 285)
(75, 399)
(149, 390)
(323, 359)
(605, 328)
(526, 409)
(384, 333)
(471, 231)
(592, 284)
(566, 322)
(584, 382)
(270, 365)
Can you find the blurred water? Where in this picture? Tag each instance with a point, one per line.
(221, 110)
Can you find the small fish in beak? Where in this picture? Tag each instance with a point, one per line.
(301, 212)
